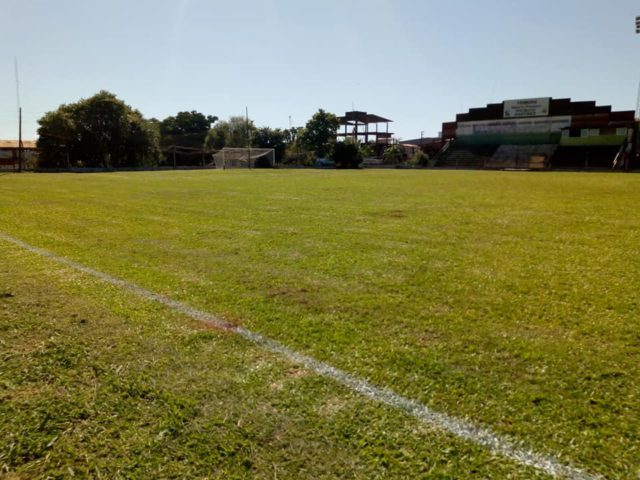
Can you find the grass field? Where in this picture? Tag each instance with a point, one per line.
(508, 299)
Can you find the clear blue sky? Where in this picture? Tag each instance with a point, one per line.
(418, 62)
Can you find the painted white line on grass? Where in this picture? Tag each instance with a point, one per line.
(496, 443)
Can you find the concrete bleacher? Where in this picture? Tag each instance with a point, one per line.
(534, 157)
(528, 157)
(464, 158)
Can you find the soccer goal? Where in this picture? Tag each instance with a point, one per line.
(244, 158)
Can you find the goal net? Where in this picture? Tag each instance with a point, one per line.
(244, 158)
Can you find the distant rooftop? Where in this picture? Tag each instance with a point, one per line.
(31, 144)
(351, 118)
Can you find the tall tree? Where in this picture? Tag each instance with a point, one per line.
(265, 137)
(56, 135)
(291, 134)
(320, 133)
(186, 128)
(347, 154)
(235, 132)
(100, 131)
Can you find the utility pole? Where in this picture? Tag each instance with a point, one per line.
(20, 139)
(15, 64)
(246, 113)
(638, 100)
(633, 154)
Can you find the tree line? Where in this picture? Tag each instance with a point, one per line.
(102, 131)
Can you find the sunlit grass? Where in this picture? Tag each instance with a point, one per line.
(507, 298)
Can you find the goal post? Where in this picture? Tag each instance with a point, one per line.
(230, 157)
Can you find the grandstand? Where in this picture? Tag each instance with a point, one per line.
(539, 133)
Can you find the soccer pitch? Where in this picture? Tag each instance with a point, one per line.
(504, 301)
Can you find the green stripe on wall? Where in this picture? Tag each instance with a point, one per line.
(607, 140)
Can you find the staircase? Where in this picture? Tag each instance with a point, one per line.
(463, 158)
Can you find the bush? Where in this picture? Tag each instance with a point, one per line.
(347, 154)
(367, 151)
(419, 159)
(393, 155)
(296, 155)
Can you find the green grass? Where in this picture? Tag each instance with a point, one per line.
(510, 299)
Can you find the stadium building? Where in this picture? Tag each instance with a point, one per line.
(539, 133)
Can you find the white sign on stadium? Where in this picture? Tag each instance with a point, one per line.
(526, 107)
(515, 126)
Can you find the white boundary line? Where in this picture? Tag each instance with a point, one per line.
(496, 443)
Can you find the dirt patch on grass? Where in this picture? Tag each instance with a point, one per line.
(396, 213)
(290, 376)
(300, 296)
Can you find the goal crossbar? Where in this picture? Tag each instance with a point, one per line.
(230, 157)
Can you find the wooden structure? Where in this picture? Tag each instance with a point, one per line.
(356, 125)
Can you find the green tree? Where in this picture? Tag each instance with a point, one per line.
(291, 134)
(367, 150)
(235, 132)
(100, 131)
(144, 137)
(56, 134)
(217, 136)
(265, 137)
(393, 155)
(319, 133)
(347, 154)
(419, 159)
(187, 129)
(184, 123)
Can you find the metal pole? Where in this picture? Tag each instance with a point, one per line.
(15, 64)
(20, 139)
(634, 139)
(248, 137)
(638, 103)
